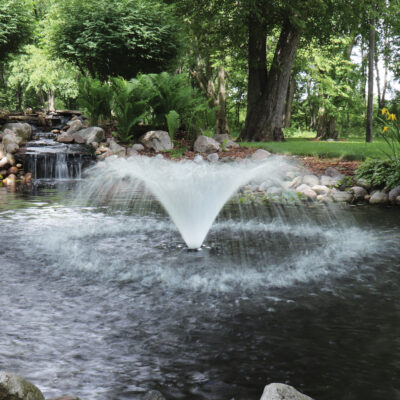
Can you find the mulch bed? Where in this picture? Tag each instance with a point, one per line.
(318, 166)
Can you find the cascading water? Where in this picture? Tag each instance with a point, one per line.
(192, 193)
(47, 159)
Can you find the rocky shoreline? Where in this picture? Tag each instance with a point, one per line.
(14, 387)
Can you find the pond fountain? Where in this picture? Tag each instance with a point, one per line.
(101, 299)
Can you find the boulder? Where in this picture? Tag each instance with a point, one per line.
(92, 134)
(393, 194)
(65, 138)
(153, 395)
(311, 180)
(260, 155)
(11, 141)
(358, 192)
(22, 130)
(74, 126)
(78, 138)
(279, 391)
(379, 197)
(213, 157)
(205, 144)
(138, 147)
(131, 152)
(364, 183)
(307, 191)
(342, 197)
(157, 141)
(320, 189)
(332, 172)
(225, 140)
(118, 150)
(329, 180)
(295, 182)
(398, 200)
(13, 387)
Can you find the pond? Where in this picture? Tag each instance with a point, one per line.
(105, 303)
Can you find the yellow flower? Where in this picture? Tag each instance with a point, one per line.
(392, 117)
(384, 111)
(385, 129)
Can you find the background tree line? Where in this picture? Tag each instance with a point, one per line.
(265, 69)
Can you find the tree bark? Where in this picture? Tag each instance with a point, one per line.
(222, 120)
(287, 114)
(51, 98)
(267, 92)
(371, 51)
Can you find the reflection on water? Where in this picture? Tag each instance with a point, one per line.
(106, 304)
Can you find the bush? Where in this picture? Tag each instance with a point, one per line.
(381, 173)
(95, 97)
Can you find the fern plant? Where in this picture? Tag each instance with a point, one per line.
(129, 106)
(95, 97)
(173, 122)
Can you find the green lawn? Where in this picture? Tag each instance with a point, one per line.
(352, 149)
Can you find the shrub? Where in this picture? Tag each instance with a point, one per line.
(381, 173)
(173, 122)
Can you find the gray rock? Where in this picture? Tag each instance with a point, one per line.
(21, 129)
(260, 155)
(131, 152)
(329, 180)
(78, 138)
(274, 191)
(213, 157)
(296, 182)
(13, 387)
(11, 142)
(358, 192)
(342, 197)
(153, 395)
(74, 126)
(157, 140)
(311, 180)
(138, 147)
(118, 150)
(307, 191)
(379, 197)
(398, 200)
(198, 159)
(321, 189)
(332, 172)
(364, 183)
(279, 391)
(105, 154)
(65, 138)
(205, 144)
(394, 193)
(92, 134)
(225, 138)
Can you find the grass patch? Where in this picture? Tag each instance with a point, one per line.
(349, 150)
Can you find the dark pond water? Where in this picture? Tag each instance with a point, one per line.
(107, 304)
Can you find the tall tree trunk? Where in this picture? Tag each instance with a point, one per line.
(222, 120)
(313, 121)
(267, 93)
(51, 98)
(287, 114)
(371, 51)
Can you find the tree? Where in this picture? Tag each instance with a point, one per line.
(15, 28)
(113, 37)
(371, 57)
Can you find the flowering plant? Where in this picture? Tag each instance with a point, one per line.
(391, 134)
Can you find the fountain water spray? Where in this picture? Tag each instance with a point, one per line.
(192, 193)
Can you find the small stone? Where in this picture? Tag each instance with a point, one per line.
(379, 197)
(225, 140)
(198, 159)
(65, 138)
(329, 180)
(364, 183)
(55, 131)
(138, 147)
(311, 180)
(118, 150)
(295, 182)
(74, 126)
(279, 391)
(358, 192)
(213, 157)
(342, 197)
(260, 155)
(307, 191)
(131, 152)
(13, 170)
(19, 165)
(159, 157)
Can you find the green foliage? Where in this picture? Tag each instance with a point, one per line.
(15, 27)
(113, 37)
(381, 173)
(391, 134)
(129, 105)
(173, 122)
(96, 98)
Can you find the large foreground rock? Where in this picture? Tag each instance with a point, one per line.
(92, 134)
(379, 198)
(157, 141)
(22, 130)
(13, 387)
(279, 391)
(205, 144)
